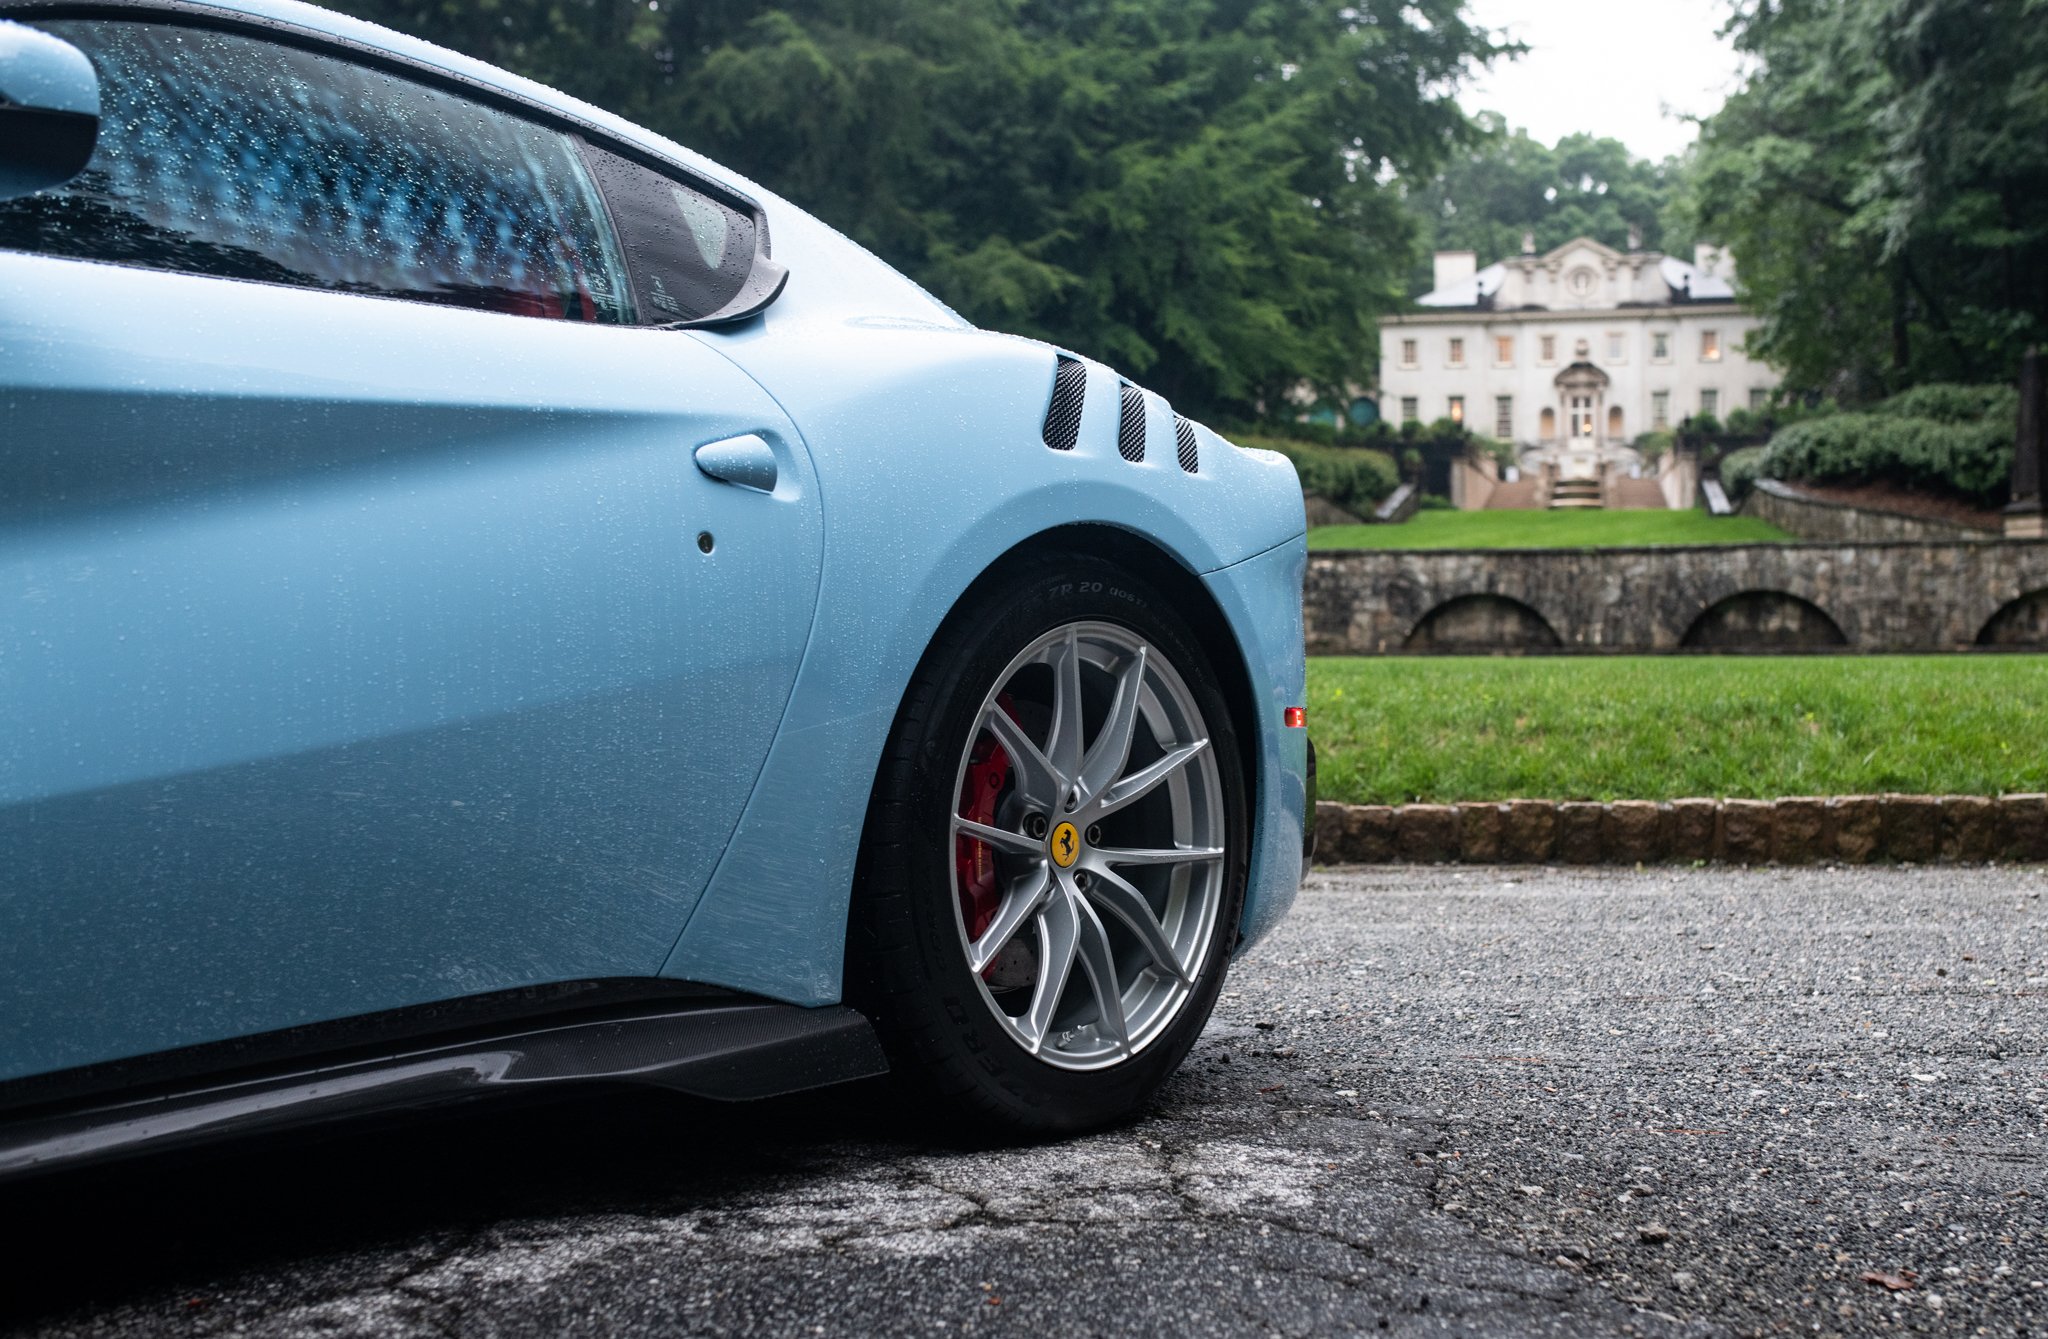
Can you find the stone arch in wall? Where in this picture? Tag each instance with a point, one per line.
(1546, 424)
(1615, 423)
(2021, 622)
(1763, 620)
(1477, 624)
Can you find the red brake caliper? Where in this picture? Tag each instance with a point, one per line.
(988, 771)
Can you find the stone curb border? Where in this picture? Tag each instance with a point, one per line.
(1847, 829)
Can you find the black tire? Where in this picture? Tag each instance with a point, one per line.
(908, 967)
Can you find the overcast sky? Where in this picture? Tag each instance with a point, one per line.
(1616, 68)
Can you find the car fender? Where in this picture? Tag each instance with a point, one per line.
(928, 443)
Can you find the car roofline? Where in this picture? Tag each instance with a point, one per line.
(310, 26)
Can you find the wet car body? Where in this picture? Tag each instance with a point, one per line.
(401, 698)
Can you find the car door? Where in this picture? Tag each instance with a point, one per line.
(369, 635)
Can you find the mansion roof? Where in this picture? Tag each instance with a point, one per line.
(1585, 275)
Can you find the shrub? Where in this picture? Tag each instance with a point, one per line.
(1355, 478)
(1702, 425)
(1785, 412)
(1293, 430)
(1739, 471)
(1972, 459)
(1944, 403)
(1742, 422)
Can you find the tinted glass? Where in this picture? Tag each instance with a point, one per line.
(689, 254)
(223, 155)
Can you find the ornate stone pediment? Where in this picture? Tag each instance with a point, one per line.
(1582, 377)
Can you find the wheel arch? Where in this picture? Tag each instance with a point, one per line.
(888, 969)
(1191, 600)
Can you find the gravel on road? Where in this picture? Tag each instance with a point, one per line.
(1440, 1100)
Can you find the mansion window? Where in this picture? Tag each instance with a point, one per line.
(1457, 410)
(1660, 410)
(1660, 347)
(1614, 421)
(1410, 354)
(1456, 356)
(1615, 346)
(1411, 409)
(1710, 346)
(1710, 403)
(1549, 347)
(1504, 416)
(1546, 425)
(1759, 399)
(1504, 350)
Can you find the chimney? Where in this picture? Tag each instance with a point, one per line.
(1455, 267)
(1708, 259)
(1635, 237)
(1528, 243)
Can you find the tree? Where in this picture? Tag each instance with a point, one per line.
(1883, 181)
(1505, 185)
(1193, 189)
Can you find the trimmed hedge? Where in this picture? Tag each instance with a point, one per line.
(1739, 470)
(1946, 403)
(1948, 439)
(1970, 459)
(1355, 478)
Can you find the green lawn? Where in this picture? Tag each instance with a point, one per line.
(1547, 530)
(1398, 729)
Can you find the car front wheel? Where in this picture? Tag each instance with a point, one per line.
(1054, 864)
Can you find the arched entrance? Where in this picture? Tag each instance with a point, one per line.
(1579, 461)
(1582, 396)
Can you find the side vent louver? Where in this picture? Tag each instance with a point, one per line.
(1130, 428)
(1063, 415)
(1184, 440)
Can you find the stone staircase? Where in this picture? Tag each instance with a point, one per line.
(1527, 494)
(1575, 493)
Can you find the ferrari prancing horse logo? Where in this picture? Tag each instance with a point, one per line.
(1066, 845)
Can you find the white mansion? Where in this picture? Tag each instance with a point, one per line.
(1573, 354)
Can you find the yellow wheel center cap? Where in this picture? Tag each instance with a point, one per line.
(1065, 845)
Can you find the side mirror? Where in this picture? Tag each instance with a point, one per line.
(49, 110)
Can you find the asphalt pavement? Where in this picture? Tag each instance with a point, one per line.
(1462, 1101)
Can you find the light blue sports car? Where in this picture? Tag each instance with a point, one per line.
(490, 599)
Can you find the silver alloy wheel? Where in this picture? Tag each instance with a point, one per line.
(1107, 846)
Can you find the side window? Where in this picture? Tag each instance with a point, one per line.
(224, 155)
(689, 255)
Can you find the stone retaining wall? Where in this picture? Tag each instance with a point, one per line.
(1798, 513)
(1782, 597)
(1854, 829)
